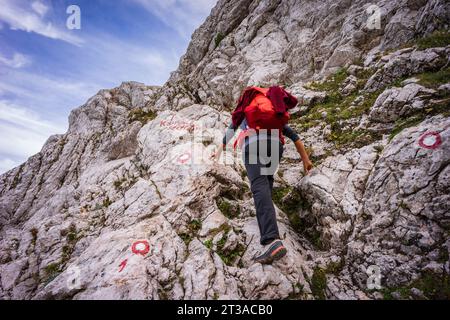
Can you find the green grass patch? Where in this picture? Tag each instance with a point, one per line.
(187, 238)
(218, 39)
(119, 183)
(72, 237)
(434, 287)
(347, 139)
(106, 202)
(54, 269)
(208, 243)
(337, 108)
(335, 267)
(319, 283)
(141, 115)
(229, 209)
(332, 83)
(434, 79)
(229, 257)
(193, 227)
(51, 271)
(439, 38)
(225, 227)
(291, 202)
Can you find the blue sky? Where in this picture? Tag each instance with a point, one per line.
(46, 70)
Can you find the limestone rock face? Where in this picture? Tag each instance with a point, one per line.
(397, 102)
(403, 225)
(336, 191)
(405, 62)
(128, 204)
(271, 41)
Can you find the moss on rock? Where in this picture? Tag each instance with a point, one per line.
(319, 283)
(433, 286)
(229, 256)
(229, 209)
(439, 38)
(291, 202)
(141, 115)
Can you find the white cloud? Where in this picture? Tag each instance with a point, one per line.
(24, 130)
(43, 91)
(24, 117)
(39, 8)
(17, 61)
(19, 15)
(182, 15)
(7, 164)
(35, 105)
(149, 64)
(22, 134)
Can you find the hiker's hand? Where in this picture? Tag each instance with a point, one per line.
(307, 165)
(216, 155)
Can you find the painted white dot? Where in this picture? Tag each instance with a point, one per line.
(429, 140)
(140, 247)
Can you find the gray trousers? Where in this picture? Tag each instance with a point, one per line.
(262, 186)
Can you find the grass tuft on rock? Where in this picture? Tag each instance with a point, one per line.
(51, 271)
(193, 227)
(439, 38)
(141, 116)
(291, 202)
(34, 235)
(434, 79)
(332, 83)
(218, 39)
(229, 209)
(229, 256)
(337, 110)
(319, 283)
(434, 286)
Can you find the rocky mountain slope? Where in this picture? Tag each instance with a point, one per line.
(128, 205)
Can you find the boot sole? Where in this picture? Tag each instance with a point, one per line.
(275, 256)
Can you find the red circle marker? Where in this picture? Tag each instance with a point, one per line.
(430, 140)
(184, 158)
(141, 247)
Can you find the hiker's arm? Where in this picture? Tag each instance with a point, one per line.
(229, 133)
(291, 134)
(307, 164)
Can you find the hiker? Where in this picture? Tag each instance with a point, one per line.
(262, 114)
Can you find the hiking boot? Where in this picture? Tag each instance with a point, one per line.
(275, 252)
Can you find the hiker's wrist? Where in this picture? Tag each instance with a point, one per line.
(305, 159)
(304, 155)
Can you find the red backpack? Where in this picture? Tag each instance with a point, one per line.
(261, 113)
(263, 109)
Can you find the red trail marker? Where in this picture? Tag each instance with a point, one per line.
(430, 140)
(141, 247)
(184, 158)
(123, 264)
